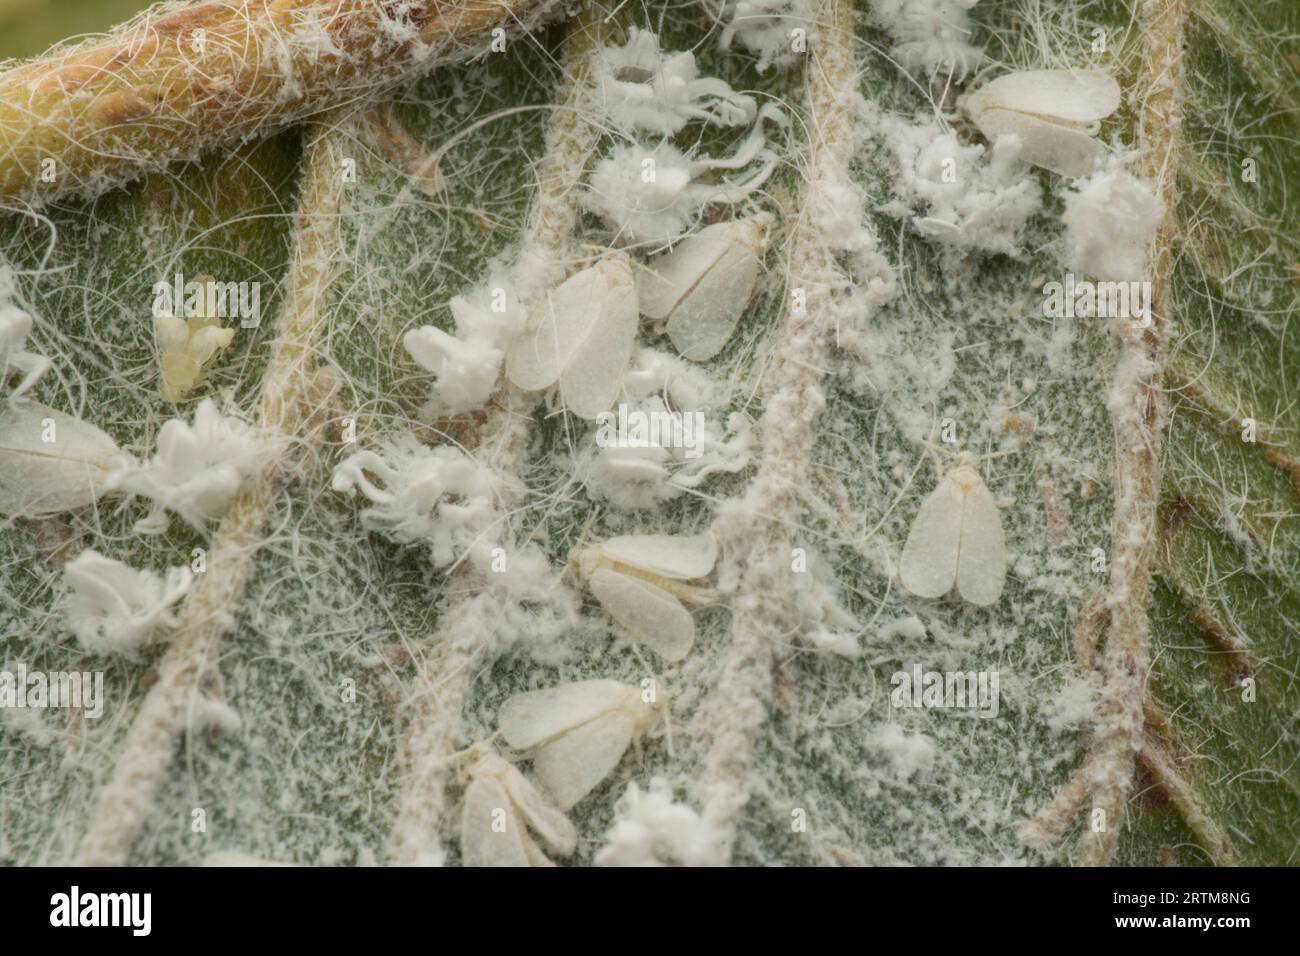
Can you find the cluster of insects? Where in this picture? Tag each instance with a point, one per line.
(576, 342)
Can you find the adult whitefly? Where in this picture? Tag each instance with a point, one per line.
(701, 287)
(576, 733)
(580, 337)
(1055, 114)
(956, 541)
(638, 579)
(502, 811)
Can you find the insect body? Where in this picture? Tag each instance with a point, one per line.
(501, 806)
(581, 337)
(1055, 113)
(956, 540)
(638, 579)
(185, 345)
(578, 732)
(702, 287)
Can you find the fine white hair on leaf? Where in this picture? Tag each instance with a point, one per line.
(966, 198)
(642, 88)
(957, 541)
(112, 607)
(198, 469)
(1055, 114)
(1111, 218)
(52, 462)
(468, 364)
(650, 194)
(700, 289)
(580, 337)
(577, 733)
(780, 32)
(636, 579)
(930, 36)
(15, 327)
(435, 496)
(500, 809)
(652, 829)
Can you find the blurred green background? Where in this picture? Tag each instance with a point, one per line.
(28, 27)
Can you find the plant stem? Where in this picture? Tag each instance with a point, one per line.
(288, 404)
(173, 83)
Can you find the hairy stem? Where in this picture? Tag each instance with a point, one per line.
(1138, 412)
(434, 707)
(289, 400)
(177, 81)
(759, 527)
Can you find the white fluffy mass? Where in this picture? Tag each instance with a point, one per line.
(632, 478)
(967, 198)
(1111, 219)
(826, 625)
(651, 193)
(435, 496)
(650, 829)
(524, 605)
(468, 364)
(198, 468)
(114, 608)
(907, 755)
(642, 88)
(779, 31)
(930, 36)
(15, 327)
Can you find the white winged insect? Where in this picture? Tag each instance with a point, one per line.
(956, 540)
(577, 733)
(638, 579)
(500, 808)
(52, 462)
(702, 286)
(582, 337)
(1056, 114)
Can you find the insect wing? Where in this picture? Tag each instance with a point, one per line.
(706, 317)
(480, 844)
(529, 718)
(554, 828)
(982, 562)
(571, 766)
(680, 557)
(604, 339)
(1069, 152)
(928, 567)
(1083, 97)
(38, 477)
(650, 614)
